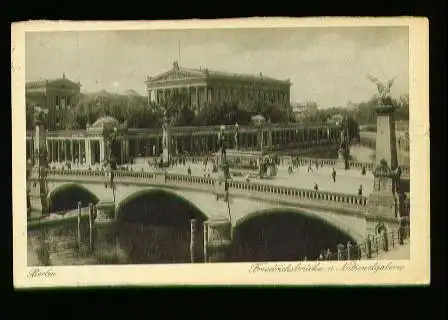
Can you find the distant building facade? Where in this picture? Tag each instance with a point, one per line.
(203, 87)
(54, 95)
(302, 110)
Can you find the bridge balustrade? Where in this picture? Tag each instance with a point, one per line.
(189, 179)
(370, 166)
(344, 200)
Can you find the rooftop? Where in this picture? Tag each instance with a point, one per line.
(204, 72)
(43, 82)
(105, 121)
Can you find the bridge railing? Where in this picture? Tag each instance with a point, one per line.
(290, 193)
(344, 200)
(372, 248)
(369, 166)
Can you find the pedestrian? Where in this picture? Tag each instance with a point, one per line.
(333, 175)
(368, 247)
(360, 190)
(317, 165)
(315, 186)
(321, 256)
(189, 171)
(363, 171)
(309, 168)
(328, 254)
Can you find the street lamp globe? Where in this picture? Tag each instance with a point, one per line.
(236, 125)
(222, 127)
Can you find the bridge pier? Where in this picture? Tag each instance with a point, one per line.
(219, 239)
(105, 212)
(106, 245)
(383, 202)
(37, 179)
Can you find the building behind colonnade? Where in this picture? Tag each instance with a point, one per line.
(203, 87)
(54, 96)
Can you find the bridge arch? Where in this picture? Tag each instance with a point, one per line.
(153, 226)
(286, 234)
(157, 192)
(66, 197)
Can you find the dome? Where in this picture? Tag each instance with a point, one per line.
(105, 121)
(258, 119)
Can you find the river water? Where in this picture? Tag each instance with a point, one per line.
(156, 229)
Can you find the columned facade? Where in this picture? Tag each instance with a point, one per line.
(89, 146)
(54, 95)
(202, 87)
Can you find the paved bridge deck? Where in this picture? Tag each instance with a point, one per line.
(347, 181)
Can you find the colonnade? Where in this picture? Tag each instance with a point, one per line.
(195, 143)
(93, 149)
(76, 150)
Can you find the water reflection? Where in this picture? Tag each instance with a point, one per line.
(284, 236)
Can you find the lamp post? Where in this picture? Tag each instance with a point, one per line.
(236, 135)
(222, 143)
(344, 144)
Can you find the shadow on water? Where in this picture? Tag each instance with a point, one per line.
(155, 227)
(67, 198)
(283, 236)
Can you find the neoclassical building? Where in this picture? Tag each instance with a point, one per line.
(55, 95)
(204, 86)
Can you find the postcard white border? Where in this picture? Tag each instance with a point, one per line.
(416, 270)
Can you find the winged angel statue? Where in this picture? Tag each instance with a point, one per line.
(383, 89)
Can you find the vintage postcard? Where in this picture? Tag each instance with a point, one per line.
(209, 152)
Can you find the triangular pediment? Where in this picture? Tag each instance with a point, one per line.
(63, 83)
(177, 75)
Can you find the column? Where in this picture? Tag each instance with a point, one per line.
(71, 151)
(47, 146)
(51, 150)
(88, 152)
(79, 151)
(58, 147)
(64, 142)
(102, 151)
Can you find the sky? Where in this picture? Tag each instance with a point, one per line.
(325, 65)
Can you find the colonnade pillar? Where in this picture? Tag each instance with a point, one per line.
(102, 150)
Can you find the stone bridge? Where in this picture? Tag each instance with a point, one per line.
(347, 213)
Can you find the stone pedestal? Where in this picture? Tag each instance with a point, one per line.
(105, 212)
(340, 164)
(386, 146)
(219, 239)
(37, 178)
(383, 200)
(166, 145)
(160, 177)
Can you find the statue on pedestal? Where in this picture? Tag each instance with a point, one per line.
(235, 137)
(383, 88)
(165, 139)
(344, 145)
